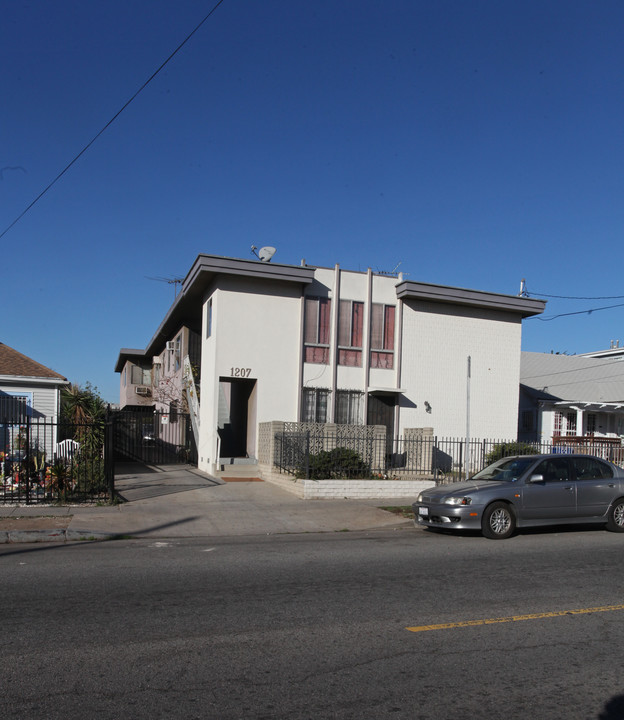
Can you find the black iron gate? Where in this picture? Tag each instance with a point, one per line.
(154, 438)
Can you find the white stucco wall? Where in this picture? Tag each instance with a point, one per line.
(256, 334)
(437, 340)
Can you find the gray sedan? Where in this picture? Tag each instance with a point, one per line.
(527, 491)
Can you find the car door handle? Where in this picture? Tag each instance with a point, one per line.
(611, 484)
(569, 487)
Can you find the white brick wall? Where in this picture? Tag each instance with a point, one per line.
(437, 341)
(351, 489)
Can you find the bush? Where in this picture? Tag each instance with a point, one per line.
(509, 449)
(337, 463)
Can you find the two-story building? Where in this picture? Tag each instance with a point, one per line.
(248, 342)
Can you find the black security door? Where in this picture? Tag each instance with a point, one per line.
(381, 412)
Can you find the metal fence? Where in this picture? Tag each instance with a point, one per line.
(314, 455)
(155, 438)
(50, 462)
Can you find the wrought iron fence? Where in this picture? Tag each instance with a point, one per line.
(42, 461)
(155, 438)
(315, 455)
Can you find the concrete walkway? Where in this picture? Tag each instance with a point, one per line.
(180, 501)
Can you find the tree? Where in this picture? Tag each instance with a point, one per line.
(82, 406)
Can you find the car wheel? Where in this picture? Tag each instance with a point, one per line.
(615, 518)
(499, 521)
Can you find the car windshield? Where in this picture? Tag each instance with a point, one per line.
(505, 470)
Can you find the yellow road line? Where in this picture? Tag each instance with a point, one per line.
(514, 618)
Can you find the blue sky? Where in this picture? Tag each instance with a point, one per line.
(469, 143)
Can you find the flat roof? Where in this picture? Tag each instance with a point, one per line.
(525, 307)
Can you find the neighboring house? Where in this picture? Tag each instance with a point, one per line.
(27, 390)
(574, 400)
(327, 345)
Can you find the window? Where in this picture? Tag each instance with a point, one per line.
(557, 424)
(316, 330)
(591, 423)
(591, 469)
(350, 325)
(527, 420)
(564, 424)
(178, 353)
(382, 336)
(209, 319)
(13, 408)
(140, 375)
(315, 406)
(349, 407)
(553, 470)
(173, 411)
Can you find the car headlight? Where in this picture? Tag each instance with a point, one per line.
(419, 498)
(457, 501)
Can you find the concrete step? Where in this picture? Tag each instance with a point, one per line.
(239, 471)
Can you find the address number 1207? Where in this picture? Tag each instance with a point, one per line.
(240, 372)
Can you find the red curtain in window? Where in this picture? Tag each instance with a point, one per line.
(389, 328)
(324, 320)
(357, 324)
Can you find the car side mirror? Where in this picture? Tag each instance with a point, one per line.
(536, 478)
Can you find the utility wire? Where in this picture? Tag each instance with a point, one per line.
(110, 122)
(571, 297)
(579, 312)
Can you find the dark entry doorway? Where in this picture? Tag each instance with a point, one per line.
(381, 412)
(236, 417)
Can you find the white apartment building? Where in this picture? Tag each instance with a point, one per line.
(329, 345)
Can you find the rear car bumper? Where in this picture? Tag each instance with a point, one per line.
(447, 516)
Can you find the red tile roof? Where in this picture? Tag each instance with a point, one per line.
(14, 363)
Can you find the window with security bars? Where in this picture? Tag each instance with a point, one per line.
(382, 336)
(13, 408)
(315, 405)
(564, 424)
(349, 407)
(350, 327)
(316, 330)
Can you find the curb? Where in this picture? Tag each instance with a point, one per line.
(47, 536)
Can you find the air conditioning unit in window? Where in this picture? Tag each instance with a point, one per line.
(171, 345)
(142, 391)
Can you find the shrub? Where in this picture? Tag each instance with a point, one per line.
(509, 449)
(337, 463)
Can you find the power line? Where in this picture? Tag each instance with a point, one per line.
(572, 297)
(110, 122)
(579, 312)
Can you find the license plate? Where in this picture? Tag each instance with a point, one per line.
(423, 511)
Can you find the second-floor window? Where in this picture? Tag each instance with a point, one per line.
(140, 375)
(350, 325)
(316, 330)
(382, 336)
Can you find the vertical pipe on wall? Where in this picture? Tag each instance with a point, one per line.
(368, 311)
(333, 342)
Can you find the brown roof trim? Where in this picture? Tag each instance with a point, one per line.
(15, 364)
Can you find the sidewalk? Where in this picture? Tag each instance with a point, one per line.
(178, 501)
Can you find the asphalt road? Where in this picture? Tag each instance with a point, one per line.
(315, 626)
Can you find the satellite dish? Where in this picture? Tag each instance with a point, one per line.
(266, 253)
